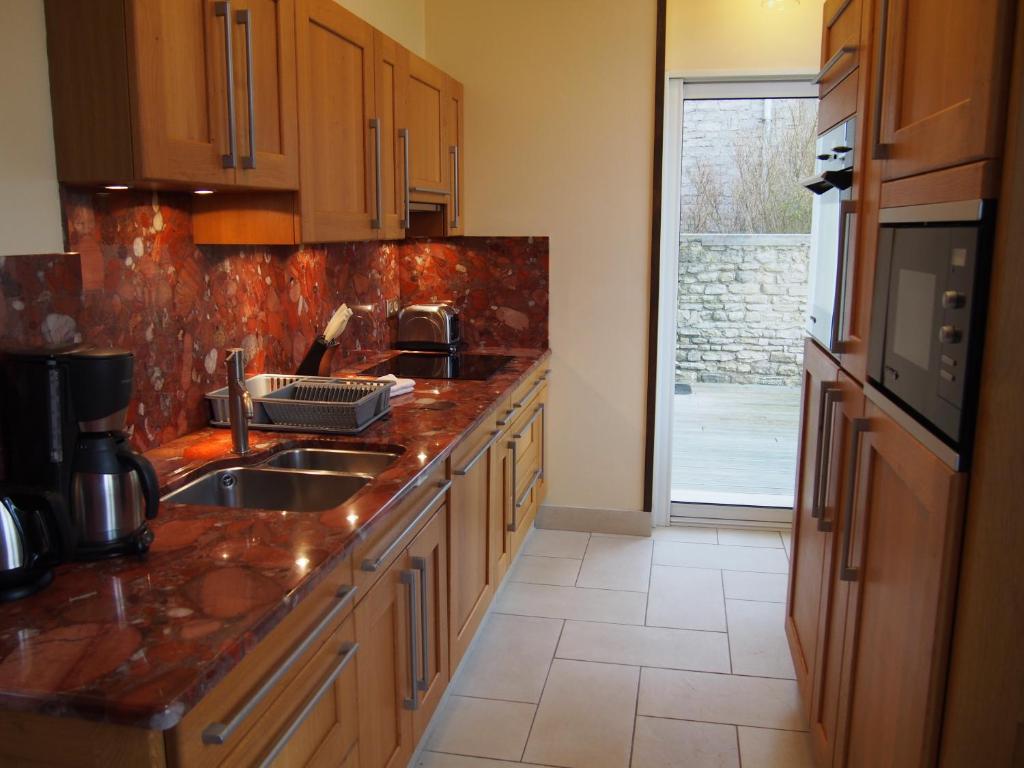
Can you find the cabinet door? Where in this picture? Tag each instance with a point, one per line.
(899, 554)
(837, 494)
(428, 558)
(454, 137)
(820, 394)
(179, 52)
(385, 671)
(391, 78)
(336, 102)
(471, 563)
(428, 155)
(944, 82)
(265, 101)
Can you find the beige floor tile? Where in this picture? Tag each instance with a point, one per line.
(441, 760)
(691, 533)
(546, 543)
(757, 639)
(765, 748)
(644, 646)
(686, 598)
(558, 571)
(714, 698)
(787, 542)
(678, 743)
(510, 658)
(482, 728)
(749, 538)
(571, 603)
(761, 559)
(585, 718)
(767, 587)
(616, 562)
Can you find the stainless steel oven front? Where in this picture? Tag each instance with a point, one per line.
(927, 320)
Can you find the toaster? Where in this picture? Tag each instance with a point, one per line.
(433, 327)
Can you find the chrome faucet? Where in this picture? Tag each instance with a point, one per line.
(239, 401)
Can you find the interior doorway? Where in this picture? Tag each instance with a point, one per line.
(733, 297)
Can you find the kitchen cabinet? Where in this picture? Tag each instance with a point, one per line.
(391, 79)
(841, 51)
(527, 460)
(179, 93)
(811, 536)
(403, 624)
(942, 84)
(428, 152)
(454, 139)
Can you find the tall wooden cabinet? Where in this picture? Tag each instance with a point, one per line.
(455, 141)
(173, 93)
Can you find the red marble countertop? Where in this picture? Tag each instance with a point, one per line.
(140, 641)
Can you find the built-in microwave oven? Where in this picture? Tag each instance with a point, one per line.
(927, 320)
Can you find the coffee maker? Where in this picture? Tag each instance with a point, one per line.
(62, 421)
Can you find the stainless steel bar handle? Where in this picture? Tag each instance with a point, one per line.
(880, 151)
(431, 190)
(829, 65)
(504, 420)
(373, 564)
(528, 424)
(819, 451)
(403, 134)
(375, 223)
(454, 150)
(837, 337)
(537, 473)
(223, 8)
(412, 702)
(244, 17)
(479, 454)
(219, 733)
(348, 652)
(860, 426)
(514, 525)
(833, 396)
(533, 390)
(423, 682)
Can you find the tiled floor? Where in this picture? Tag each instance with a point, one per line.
(621, 652)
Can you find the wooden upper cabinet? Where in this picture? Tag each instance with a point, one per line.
(335, 75)
(811, 542)
(899, 555)
(391, 81)
(264, 36)
(943, 83)
(840, 42)
(428, 152)
(454, 135)
(156, 92)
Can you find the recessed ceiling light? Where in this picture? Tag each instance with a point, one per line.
(204, 191)
(116, 186)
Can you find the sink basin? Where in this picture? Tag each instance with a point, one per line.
(329, 460)
(266, 488)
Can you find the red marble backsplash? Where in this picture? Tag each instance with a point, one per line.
(139, 282)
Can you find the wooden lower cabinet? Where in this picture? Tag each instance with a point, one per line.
(428, 559)
(872, 664)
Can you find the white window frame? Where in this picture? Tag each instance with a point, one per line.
(678, 87)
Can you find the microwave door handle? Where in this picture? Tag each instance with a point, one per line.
(837, 338)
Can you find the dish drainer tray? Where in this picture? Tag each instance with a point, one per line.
(318, 404)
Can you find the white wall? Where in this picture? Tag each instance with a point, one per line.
(404, 20)
(29, 202)
(559, 142)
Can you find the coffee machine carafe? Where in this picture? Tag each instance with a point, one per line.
(63, 418)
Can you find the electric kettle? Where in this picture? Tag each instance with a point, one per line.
(34, 535)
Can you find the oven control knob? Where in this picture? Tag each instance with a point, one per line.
(953, 299)
(950, 334)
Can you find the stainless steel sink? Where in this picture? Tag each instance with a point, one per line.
(267, 488)
(330, 460)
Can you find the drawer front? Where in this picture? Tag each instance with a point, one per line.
(840, 42)
(525, 393)
(229, 713)
(316, 718)
(839, 104)
(390, 537)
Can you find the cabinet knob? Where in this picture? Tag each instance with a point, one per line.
(953, 299)
(950, 334)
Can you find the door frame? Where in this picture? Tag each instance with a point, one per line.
(677, 87)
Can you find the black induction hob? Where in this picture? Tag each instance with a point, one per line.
(436, 365)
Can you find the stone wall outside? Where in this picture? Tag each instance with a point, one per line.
(741, 308)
